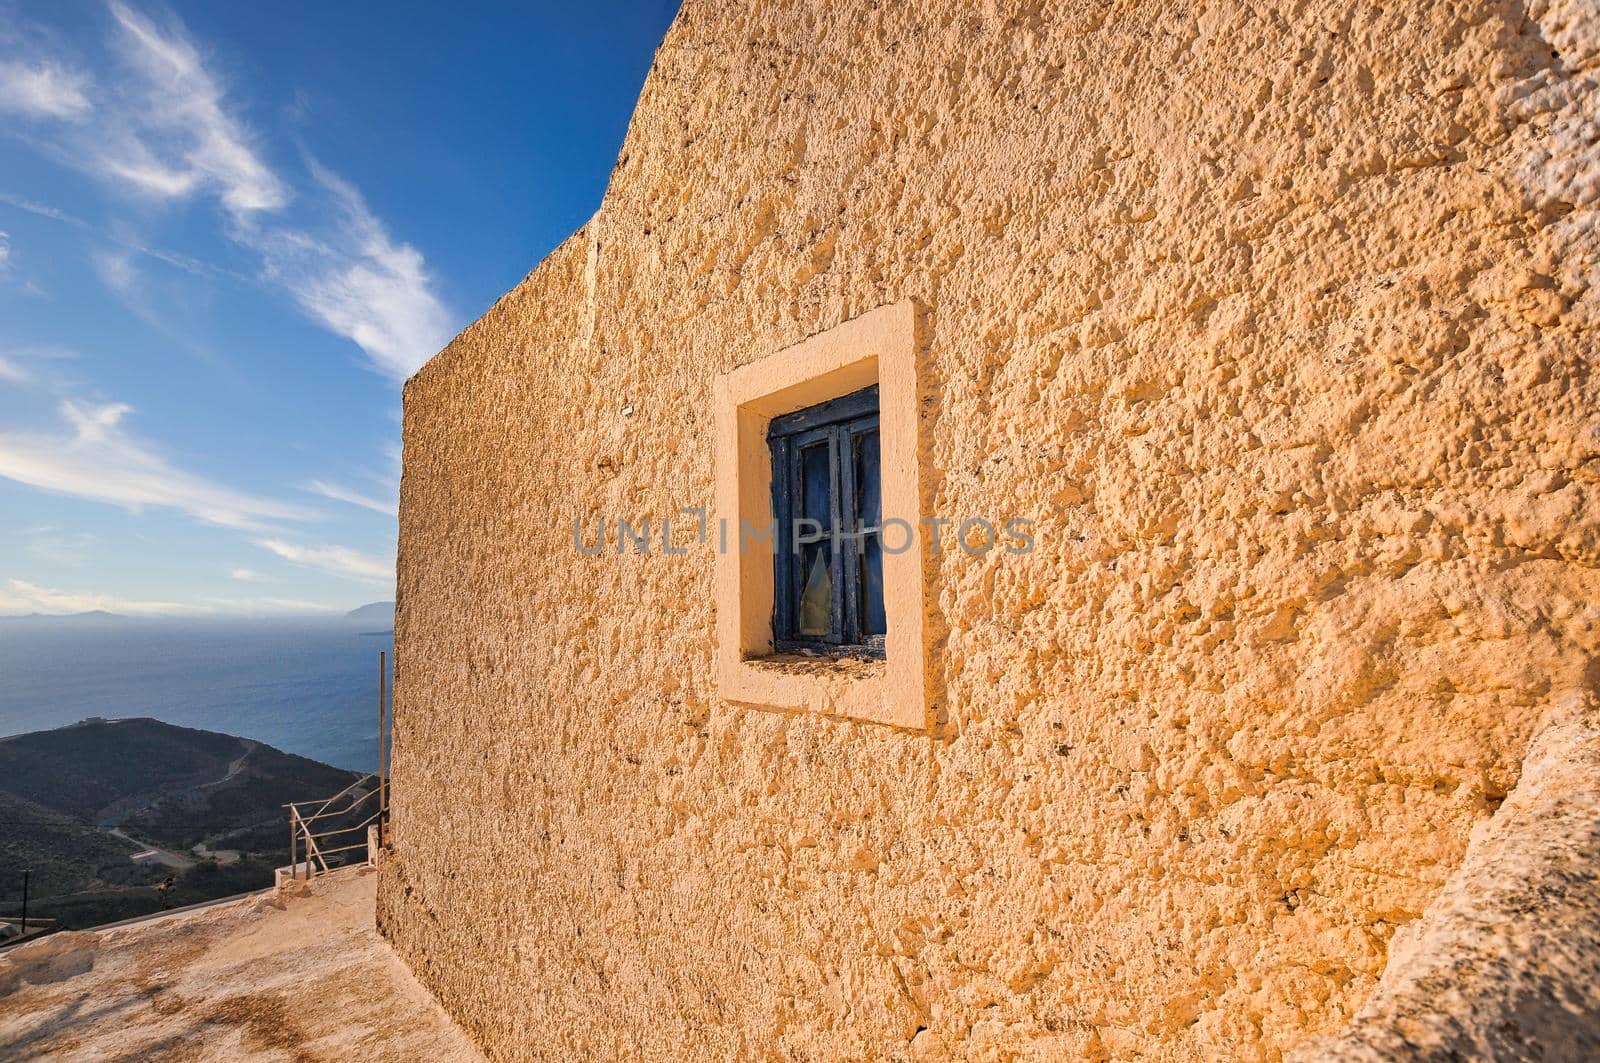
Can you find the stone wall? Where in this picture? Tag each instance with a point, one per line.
(1277, 319)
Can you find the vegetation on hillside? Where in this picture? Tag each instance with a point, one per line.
(157, 786)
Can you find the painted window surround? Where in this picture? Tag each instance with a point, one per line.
(879, 347)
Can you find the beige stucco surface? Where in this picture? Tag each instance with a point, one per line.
(1505, 963)
(1277, 319)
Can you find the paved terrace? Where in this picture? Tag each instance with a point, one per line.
(300, 976)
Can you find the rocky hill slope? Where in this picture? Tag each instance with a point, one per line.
(204, 811)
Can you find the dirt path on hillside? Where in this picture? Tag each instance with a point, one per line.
(234, 768)
(175, 860)
(168, 857)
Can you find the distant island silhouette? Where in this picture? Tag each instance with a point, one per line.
(374, 611)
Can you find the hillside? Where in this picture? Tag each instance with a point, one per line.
(65, 855)
(77, 802)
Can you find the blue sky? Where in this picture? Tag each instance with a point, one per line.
(228, 232)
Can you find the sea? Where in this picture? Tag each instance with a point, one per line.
(305, 686)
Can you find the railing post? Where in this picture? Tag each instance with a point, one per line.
(294, 867)
(383, 674)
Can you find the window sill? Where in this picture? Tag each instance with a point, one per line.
(874, 649)
(853, 687)
(842, 665)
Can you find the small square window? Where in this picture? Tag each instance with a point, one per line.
(827, 497)
(828, 430)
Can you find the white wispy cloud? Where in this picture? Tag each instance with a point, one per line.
(19, 596)
(72, 549)
(359, 283)
(354, 278)
(247, 575)
(340, 493)
(43, 90)
(335, 560)
(42, 351)
(116, 270)
(156, 299)
(97, 458)
(43, 210)
(180, 137)
(186, 263)
(126, 247)
(162, 126)
(8, 274)
(12, 363)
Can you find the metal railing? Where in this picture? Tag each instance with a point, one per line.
(369, 805)
(312, 834)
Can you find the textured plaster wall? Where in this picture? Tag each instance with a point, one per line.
(1505, 963)
(1279, 321)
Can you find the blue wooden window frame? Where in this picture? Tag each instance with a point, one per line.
(843, 426)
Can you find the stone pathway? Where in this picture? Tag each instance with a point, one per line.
(273, 977)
